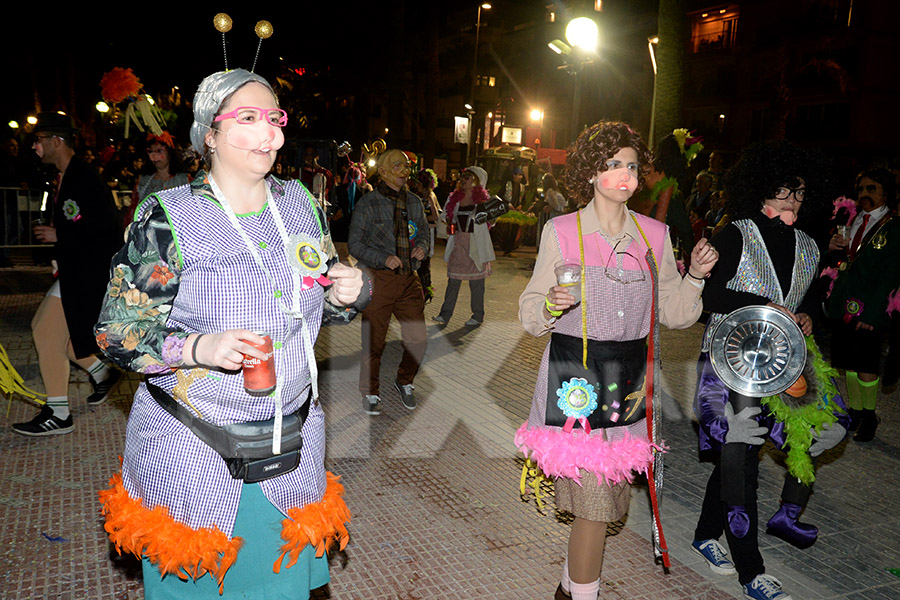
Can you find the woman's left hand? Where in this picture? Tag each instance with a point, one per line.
(347, 282)
(703, 259)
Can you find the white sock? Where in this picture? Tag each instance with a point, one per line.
(584, 591)
(99, 370)
(60, 406)
(565, 582)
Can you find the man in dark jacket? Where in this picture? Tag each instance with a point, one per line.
(86, 234)
(389, 237)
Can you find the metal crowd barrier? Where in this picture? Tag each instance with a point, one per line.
(19, 209)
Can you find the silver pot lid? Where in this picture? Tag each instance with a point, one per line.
(758, 351)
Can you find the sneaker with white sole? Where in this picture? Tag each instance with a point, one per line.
(714, 554)
(764, 587)
(407, 397)
(371, 404)
(103, 389)
(439, 319)
(45, 423)
(473, 322)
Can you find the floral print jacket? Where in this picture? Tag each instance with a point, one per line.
(132, 328)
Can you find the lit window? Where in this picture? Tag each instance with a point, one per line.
(714, 29)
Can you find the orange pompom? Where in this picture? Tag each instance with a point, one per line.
(797, 389)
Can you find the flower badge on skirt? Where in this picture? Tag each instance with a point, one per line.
(413, 230)
(71, 210)
(577, 400)
(305, 255)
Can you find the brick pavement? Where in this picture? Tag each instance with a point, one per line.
(434, 493)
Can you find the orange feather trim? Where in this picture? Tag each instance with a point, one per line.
(177, 549)
(173, 547)
(321, 524)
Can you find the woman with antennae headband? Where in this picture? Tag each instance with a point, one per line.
(232, 272)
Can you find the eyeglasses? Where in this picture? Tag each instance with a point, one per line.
(783, 193)
(623, 271)
(41, 138)
(466, 175)
(248, 115)
(871, 188)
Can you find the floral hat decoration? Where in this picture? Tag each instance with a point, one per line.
(690, 145)
(122, 85)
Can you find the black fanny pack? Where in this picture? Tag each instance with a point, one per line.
(615, 370)
(245, 447)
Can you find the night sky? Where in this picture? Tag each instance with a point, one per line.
(166, 47)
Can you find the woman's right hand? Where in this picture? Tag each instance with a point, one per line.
(560, 299)
(224, 350)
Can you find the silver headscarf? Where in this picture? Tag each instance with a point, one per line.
(214, 90)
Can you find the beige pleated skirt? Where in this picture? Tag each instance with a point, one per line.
(591, 500)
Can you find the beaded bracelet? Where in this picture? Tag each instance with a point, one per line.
(553, 313)
(194, 349)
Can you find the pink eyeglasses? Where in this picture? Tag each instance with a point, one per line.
(248, 115)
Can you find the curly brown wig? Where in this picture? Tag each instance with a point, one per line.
(596, 145)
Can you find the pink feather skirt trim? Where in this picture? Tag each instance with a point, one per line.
(561, 454)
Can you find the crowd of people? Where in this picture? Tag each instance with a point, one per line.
(232, 265)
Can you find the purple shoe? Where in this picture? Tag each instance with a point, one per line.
(785, 525)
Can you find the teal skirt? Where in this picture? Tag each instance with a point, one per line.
(251, 576)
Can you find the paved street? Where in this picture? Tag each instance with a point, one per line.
(435, 492)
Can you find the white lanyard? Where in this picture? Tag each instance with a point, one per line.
(294, 310)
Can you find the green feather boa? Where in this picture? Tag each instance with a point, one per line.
(663, 184)
(800, 422)
(517, 218)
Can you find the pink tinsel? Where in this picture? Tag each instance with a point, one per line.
(847, 204)
(831, 273)
(479, 196)
(893, 302)
(560, 454)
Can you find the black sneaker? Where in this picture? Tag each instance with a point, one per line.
(45, 424)
(407, 397)
(102, 389)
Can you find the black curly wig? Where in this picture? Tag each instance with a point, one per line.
(596, 145)
(766, 166)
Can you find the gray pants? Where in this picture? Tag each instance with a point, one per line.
(476, 291)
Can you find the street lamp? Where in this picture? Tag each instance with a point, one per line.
(485, 6)
(537, 114)
(652, 41)
(583, 35)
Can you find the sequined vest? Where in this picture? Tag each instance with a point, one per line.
(756, 273)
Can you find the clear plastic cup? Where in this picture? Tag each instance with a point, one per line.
(568, 275)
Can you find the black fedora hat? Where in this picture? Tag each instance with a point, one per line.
(54, 123)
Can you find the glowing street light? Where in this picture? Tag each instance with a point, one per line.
(651, 42)
(13, 124)
(583, 33)
(102, 107)
(32, 120)
(470, 149)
